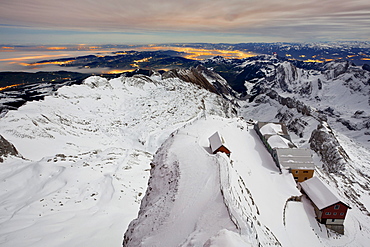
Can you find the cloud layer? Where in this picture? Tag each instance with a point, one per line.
(309, 19)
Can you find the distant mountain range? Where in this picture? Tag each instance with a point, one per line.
(107, 149)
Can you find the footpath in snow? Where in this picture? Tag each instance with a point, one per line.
(197, 198)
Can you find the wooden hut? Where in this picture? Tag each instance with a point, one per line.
(217, 144)
(329, 210)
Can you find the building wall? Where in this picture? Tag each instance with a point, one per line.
(301, 175)
(317, 212)
(338, 228)
(224, 150)
(334, 221)
(335, 213)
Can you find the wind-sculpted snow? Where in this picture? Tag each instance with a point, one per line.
(195, 198)
(87, 151)
(183, 204)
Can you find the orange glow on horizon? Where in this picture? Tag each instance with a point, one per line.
(196, 53)
(313, 61)
(57, 48)
(116, 71)
(47, 63)
(3, 88)
(33, 57)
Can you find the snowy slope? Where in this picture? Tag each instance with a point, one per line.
(88, 150)
(183, 205)
(87, 155)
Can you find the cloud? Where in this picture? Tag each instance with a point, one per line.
(258, 17)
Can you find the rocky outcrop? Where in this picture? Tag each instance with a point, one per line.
(334, 69)
(293, 121)
(298, 105)
(324, 142)
(6, 149)
(203, 77)
(286, 75)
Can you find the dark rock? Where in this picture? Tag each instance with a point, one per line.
(332, 154)
(6, 148)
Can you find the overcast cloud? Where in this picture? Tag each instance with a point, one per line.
(287, 20)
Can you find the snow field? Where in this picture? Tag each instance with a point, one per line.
(87, 153)
(254, 195)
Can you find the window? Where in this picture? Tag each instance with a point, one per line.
(342, 214)
(327, 213)
(305, 178)
(305, 171)
(332, 220)
(296, 172)
(336, 206)
(296, 178)
(334, 213)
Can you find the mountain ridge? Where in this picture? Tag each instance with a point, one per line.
(111, 130)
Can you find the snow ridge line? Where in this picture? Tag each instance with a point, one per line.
(243, 221)
(227, 194)
(159, 197)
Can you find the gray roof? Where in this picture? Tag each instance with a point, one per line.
(319, 194)
(295, 158)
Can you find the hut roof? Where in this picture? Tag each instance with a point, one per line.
(216, 141)
(319, 193)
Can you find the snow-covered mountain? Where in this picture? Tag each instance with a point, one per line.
(86, 153)
(130, 156)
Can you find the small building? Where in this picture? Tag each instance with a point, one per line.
(217, 144)
(297, 160)
(285, 154)
(329, 210)
(273, 135)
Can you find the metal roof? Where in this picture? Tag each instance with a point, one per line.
(295, 158)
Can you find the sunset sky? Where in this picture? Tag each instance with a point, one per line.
(164, 21)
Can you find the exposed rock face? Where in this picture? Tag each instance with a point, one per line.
(286, 75)
(296, 104)
(202, 77)
(293, 122)
(334, 69)
(6, 148)
(324, 143)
